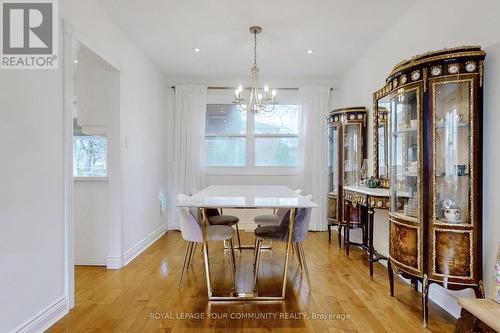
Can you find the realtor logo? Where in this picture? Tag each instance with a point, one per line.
(29, 34)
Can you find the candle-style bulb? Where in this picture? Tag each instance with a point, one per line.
(266, 89)
(237, 92)
(240, 88)
(273, 93)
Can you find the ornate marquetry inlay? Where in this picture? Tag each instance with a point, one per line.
(355, 198)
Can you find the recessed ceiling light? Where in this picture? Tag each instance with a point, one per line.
(197, 50)
(309, 51)
(76, 61)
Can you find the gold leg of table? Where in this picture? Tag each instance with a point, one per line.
(287, 250)
(248, 297)
(201, 217)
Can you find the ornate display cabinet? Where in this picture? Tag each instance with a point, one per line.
(346, 153)
(435, 137)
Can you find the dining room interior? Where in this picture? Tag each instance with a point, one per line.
(219, 166)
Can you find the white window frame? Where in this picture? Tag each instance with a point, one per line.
(226, 97)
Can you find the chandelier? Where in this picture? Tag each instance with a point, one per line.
(260, 100)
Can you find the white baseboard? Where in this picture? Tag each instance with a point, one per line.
(143, 244)
(46, 318)
(114, 262)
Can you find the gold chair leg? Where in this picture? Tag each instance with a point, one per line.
(255, 251)
(238, 234)
(232, 263)
(193, 255)
(184, 263)
(190, 256)
(257, 265)
(231, 246)
(304, 263)
(299, 257)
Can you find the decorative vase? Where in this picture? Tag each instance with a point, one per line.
(372, 182)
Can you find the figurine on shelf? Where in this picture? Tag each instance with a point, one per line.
(363, 172)
(372, 182)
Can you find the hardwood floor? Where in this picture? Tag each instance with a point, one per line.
(143, 296)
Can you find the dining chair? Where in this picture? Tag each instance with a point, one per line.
(191, 232)
(273, 219)
(280, 233)
(216, 217)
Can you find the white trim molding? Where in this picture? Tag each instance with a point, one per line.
(46, 318)
(137, 249)
(114, 262)
(69, 274)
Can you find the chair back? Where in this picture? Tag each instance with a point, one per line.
(190, 228)
(281, 212)
(301, 224)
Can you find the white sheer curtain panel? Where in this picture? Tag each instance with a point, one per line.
(189, 157)
(315, 105)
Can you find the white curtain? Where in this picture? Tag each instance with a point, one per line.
(189, 157)
(315, 105)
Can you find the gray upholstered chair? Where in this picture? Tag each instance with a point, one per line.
(273, 219)
(280, 233)
(216, 217)
(192, 234)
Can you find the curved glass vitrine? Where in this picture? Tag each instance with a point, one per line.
(435, 151)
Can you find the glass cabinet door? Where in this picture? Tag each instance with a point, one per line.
(382, 137)
(382, 149)
(452, 151)
(404, 164)
(353, 154)
(333, 159)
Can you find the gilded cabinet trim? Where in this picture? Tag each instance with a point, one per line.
(355, 198)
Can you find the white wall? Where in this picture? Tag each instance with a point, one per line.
(31, 169)
(31, 194)
(142, 135)
(91, 222)
(430, 25)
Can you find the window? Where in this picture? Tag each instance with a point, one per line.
(89, 156)
(239, 139)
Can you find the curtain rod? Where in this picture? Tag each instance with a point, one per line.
(232, 88)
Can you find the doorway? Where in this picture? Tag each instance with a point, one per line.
(92, 159)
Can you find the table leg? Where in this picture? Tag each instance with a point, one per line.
(202, 218)
(370, 239)
(287, 250)
(347, 229)
(390, 271)
(364, 222)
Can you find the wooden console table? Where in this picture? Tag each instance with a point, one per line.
(478, 315)
(371, 199)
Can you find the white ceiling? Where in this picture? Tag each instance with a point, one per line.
(338, 32)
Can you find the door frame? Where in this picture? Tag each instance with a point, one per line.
(70, 34)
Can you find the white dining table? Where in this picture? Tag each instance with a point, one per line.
(246, 197)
